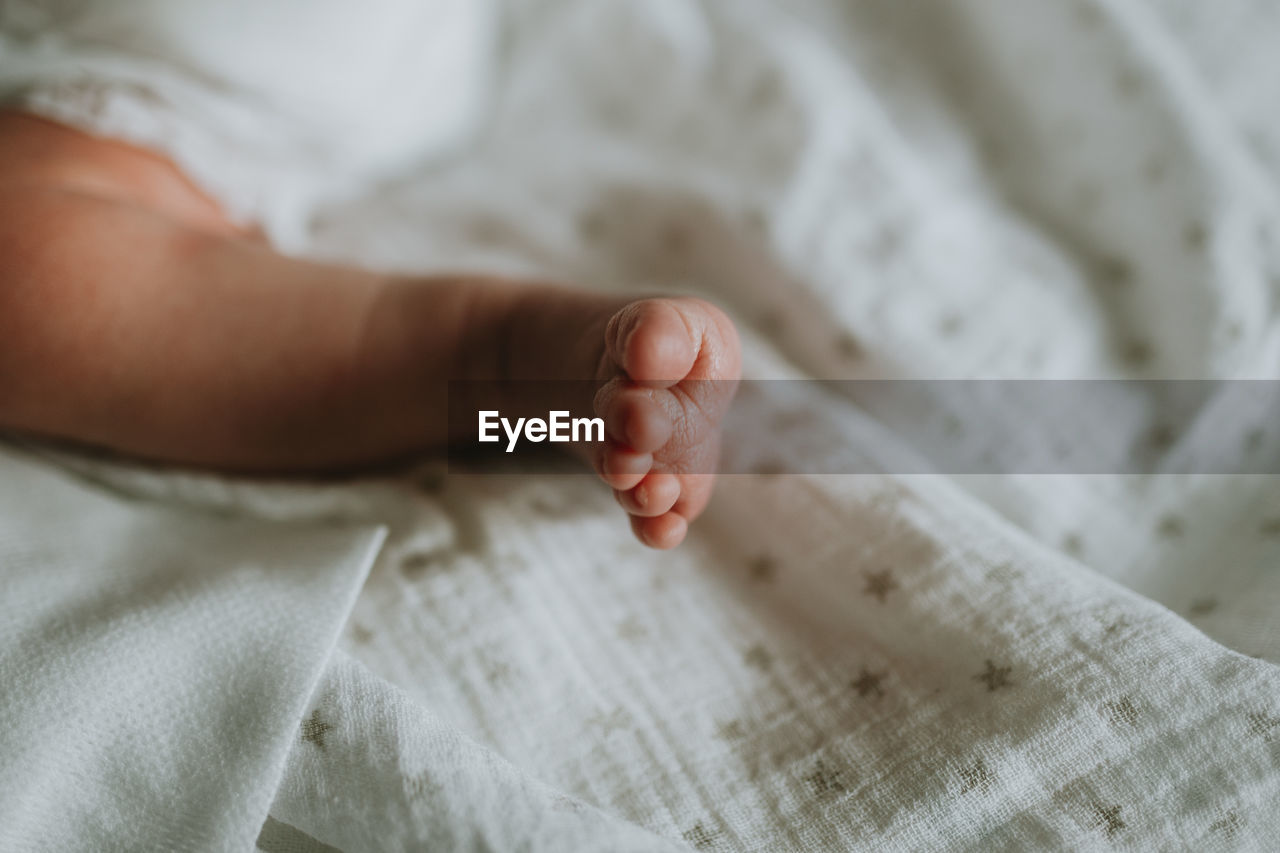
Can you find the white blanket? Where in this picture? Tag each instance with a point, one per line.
(876, 188)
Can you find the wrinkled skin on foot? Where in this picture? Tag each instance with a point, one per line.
(669, 370)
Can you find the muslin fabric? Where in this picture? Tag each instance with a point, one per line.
(154, 663)
(942, 189)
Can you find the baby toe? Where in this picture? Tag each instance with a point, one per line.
(622, 468)
(695, 493)
(664, 532)
(652, 342)
(653, 496)
(635, 420)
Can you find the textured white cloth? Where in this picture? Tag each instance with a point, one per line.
(874, 188)
(154, 664)
(387, 774)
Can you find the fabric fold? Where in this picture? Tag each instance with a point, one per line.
(373, 772)
(154, 663)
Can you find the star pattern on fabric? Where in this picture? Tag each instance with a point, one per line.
(950, 325)
(1003, 573)
(676, 238)
(314, 729)
(825, 780)
(1263, 725)
(1161, 437)
(1137, 353)
(1156, 168)
(1073, 544)
(1129, 82)
(888, 499)
(1121, 711)
(758, 657)
(610, 722)
(1171, 527)
(994, 676)
(769, 468)
(732, 730)
(593, 225)
(756, 221)
(1253, 440)
(848, 347)
(1228, 825)
(879, 584)
(1203, 606)
(496, 670)
(431, 482)
(557, 506)
(1088, 15)
(766, 89)
(564, 803)
(792, 419)
(700, 837)
(763, 569)
(771, 322)
(1088, 196)
(1115, 626)
(632, 629)
(1195, 236)
(1107, 818)
(868, 683)
(416, 563)
(1115, 272)
(977, 777)
(887, 243)
(490, 229)
(992, 149)
(421, 786)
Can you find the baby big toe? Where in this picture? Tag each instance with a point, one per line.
(652, 342)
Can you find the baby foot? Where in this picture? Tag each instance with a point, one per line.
(670, 368)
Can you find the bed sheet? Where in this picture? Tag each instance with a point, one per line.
(890, 662)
